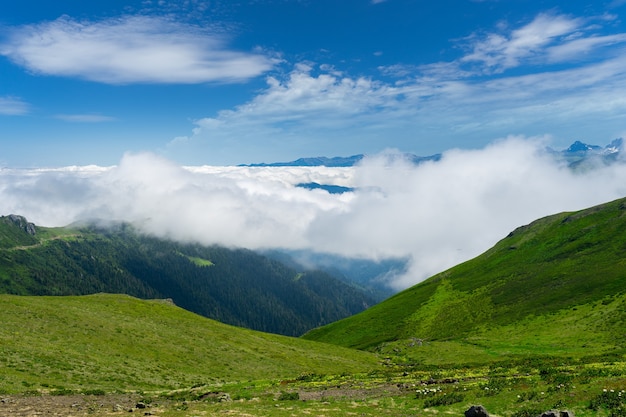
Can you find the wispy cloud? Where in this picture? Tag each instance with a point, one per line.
(436, 214)
(501, 51)
(13, 106)
(85, 118)
(131, 49)
(548, 39)
(305, 105)
(303, 94)
(565, 66)
(581, 49)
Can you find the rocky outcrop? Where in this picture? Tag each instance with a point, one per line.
(480, 411)
(22, 223)
(476, 411)
(557, 413)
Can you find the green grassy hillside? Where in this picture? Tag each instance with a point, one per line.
(116, 342)
(104, 355)
(555, 287)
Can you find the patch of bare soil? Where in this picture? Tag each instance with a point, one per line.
(351, 391)
(74, 405)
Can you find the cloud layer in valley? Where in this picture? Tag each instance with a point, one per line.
(437, 214)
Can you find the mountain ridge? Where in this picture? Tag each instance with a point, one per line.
(576, 152)
(558, 265)
(340, 161)
(235, 286)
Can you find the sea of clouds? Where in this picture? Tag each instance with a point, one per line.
(436, 214)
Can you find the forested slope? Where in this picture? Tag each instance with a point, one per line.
(237, 287)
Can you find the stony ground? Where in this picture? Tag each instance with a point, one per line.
(71, 405)
(125, 404)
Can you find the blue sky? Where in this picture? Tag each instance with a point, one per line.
(221, 83)
(159, 88)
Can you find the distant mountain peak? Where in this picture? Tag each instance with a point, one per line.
(579, 146)
(582, 148)
(22, 223)
(615, 146)
(580, 155)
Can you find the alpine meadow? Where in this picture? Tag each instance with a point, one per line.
(285, 208)
(533, 324)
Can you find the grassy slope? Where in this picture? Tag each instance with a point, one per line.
(549, 287)
(113, 342)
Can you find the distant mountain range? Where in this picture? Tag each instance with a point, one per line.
(582, 155)
(577, 156)
(574, 154)
(579, 148)
(341, 161)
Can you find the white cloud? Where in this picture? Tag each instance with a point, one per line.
(583, 47)
(437, 214)
(130, 49)
(585, 101)
(500, 51)
(547, 39)
(442, 213)
(303, 95)
(437, 103)
(302, 107)
(13, 106)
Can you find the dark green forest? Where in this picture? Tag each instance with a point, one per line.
(234, 286)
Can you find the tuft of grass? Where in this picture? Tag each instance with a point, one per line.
(288, 396)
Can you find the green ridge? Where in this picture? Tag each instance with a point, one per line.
(234, 286)
(554, 287)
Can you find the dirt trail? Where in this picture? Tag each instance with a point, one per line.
(41, 242)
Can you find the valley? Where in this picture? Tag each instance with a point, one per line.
(313, 208)
(235, 286)
(536, 323)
